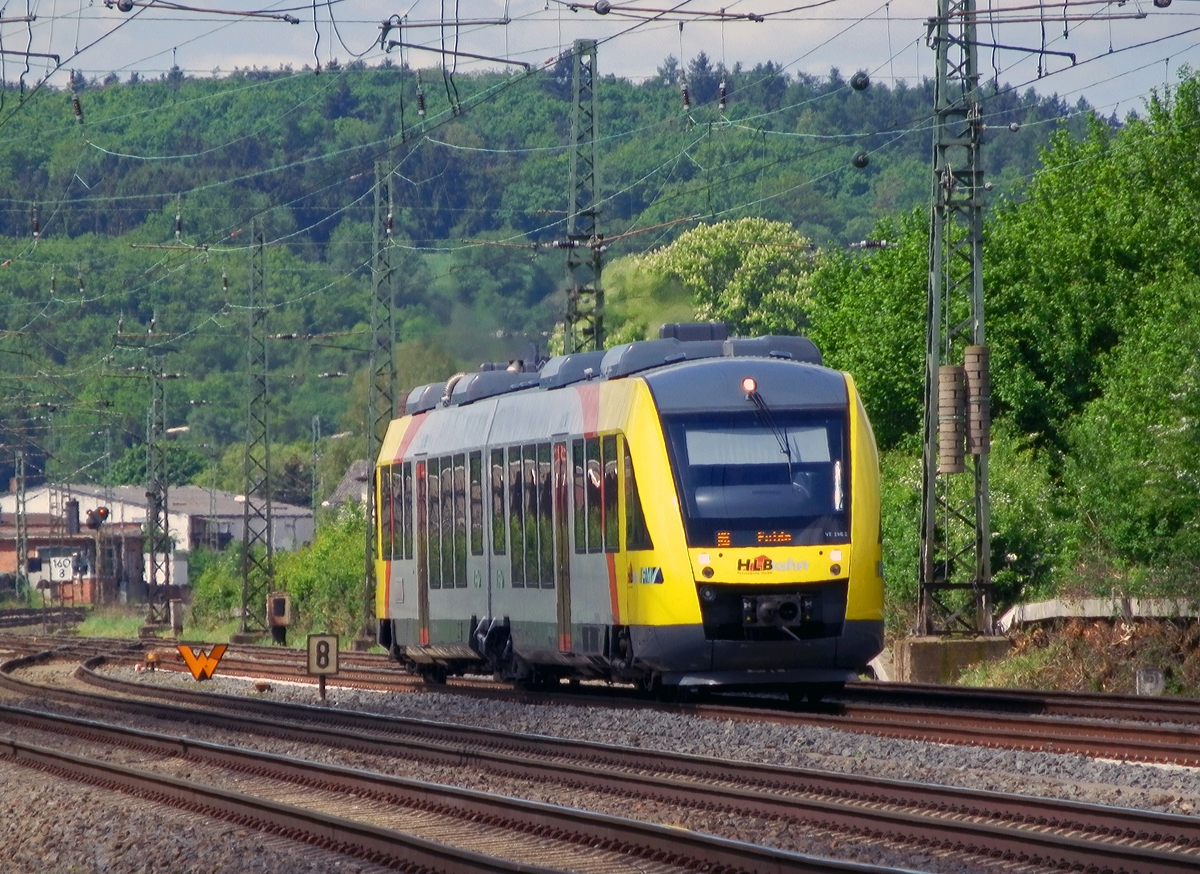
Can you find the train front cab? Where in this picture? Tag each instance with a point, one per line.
(745, 602)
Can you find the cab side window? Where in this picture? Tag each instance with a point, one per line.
(636, 534)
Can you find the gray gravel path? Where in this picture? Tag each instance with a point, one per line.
(1165, 788)
(1170, 789)
(54, 825)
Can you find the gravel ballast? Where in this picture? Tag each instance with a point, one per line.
(1169, 789)
(1164, 788)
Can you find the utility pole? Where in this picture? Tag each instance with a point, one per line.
(583, 326)
(955, 515)
(316, 441)
(23, 587)
(258, 556)
(108, 483)
(158, 539)
(381, 392)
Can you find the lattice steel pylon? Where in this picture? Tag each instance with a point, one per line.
(158, 537)
(583, 326)
(258, 552)
(955, 515)
(22, 520)
(381, 393)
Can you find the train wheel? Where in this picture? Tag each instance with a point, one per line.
(821, 690)
(435, 675)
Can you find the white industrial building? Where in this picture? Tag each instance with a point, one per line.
(196, 516)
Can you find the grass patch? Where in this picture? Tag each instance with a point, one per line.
(120, 622)
(1032, 669)
(124, 622)
(1097, 655)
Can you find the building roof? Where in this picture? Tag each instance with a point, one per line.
(187, 500)
(353, 484)
(42, 526)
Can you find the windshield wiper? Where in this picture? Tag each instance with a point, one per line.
(763, 413)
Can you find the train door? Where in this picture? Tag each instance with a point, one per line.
(422, 559)
(562, 551)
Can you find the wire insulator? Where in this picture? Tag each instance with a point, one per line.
(78, 107)
(80, 278)
(687, 97)
(722, 95)
(420, 102)
(225, 283)
(37, 225)
(389, 225)
(178, 225)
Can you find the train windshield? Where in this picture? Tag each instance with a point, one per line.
(749, 480)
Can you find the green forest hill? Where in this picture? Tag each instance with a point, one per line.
(1091, 272)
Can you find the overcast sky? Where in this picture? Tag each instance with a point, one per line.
(884, 38)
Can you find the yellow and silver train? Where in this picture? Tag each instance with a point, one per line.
(671, 513)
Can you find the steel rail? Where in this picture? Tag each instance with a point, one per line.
(1110, 705)
(1032, 731)
(678, 847)
(938, 816)
(19, 617)
(405, 852)
(1096, 738)
(1019, 702)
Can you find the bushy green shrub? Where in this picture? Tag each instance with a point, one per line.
(216, 579)
(1134, 464)
(1034, 537)
(325, 578)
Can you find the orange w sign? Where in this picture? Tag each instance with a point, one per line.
(201, 665)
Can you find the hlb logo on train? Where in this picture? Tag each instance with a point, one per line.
(762, 565)
(200, 664)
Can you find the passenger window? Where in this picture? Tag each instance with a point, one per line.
(447, 523)
(593, 480)
(399, 510)
(578, 467)
(407, 503)
(498, 527)
(529, 456)
(636, 534)
(476, 497)
(383, 476)
(608, 449)
(516, 516)
(434, 525)
(460, 521)
(545, 515)
(422, 523)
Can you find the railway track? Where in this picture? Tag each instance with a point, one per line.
(1028, 831)
(21, 617)
(402, 823)
(939, 717)
(1118, 727)
(1028, 702)
(363, 670)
